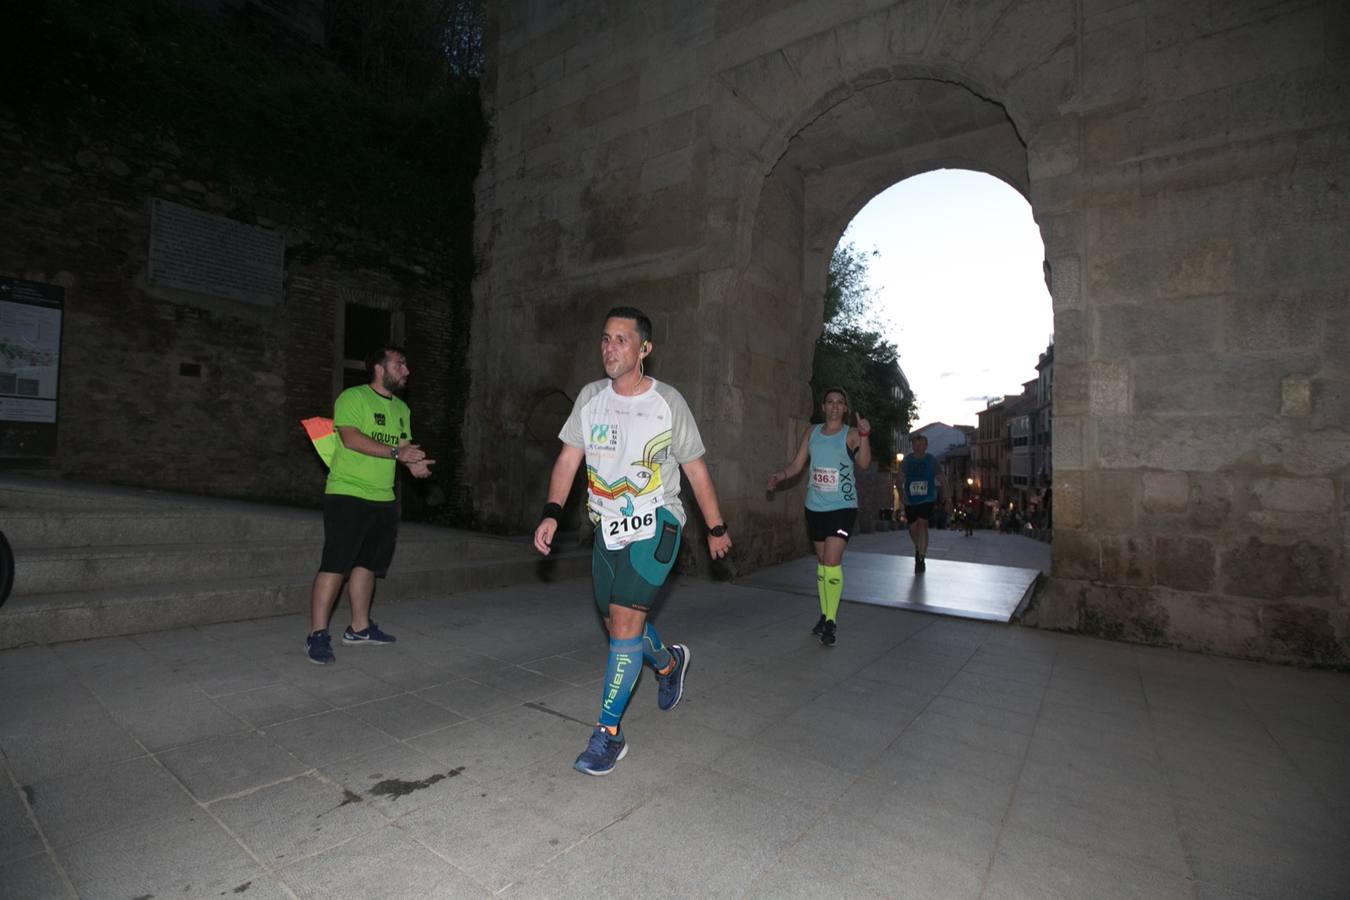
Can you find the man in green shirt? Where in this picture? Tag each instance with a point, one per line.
(360, 514)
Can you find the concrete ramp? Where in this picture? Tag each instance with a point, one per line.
(967, 590)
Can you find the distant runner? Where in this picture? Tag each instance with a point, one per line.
(921, 482)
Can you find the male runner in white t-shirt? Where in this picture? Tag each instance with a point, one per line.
(635, 434)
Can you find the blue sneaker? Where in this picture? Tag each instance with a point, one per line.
(602, 753)
(670, 687)
(371, 634)
(319, 646)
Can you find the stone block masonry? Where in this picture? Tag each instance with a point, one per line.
(184, 391)
(1186, 164)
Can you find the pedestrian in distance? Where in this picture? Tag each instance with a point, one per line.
(922, 479)
(635, 435)
(360, 514)
(835, 452)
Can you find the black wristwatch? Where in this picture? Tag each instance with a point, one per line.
(718, 530)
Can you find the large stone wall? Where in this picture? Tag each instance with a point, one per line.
(79, 216)
(1187, 164)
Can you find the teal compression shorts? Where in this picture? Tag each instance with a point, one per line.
(631, 576)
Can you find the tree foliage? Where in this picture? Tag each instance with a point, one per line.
(407, 48)
(853, 353)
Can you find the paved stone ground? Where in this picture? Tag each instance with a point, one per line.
(921, 757)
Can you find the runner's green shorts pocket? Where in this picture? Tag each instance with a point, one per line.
(654, 557)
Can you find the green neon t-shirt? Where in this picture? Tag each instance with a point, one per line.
(387, 420)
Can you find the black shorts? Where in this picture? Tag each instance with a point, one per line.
(358, 533)
(836, 523)
(920, 511)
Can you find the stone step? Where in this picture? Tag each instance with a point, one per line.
(67, 616)
(26, 492)
(65, 569)
(98, 560)
(29, 528)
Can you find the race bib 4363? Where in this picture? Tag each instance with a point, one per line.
(825, 480)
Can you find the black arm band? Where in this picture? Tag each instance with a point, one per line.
(552, 511)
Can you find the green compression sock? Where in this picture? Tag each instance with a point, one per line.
(834, 590)
(821, 592)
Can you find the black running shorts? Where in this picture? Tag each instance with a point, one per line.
(920, 511)
(358, 533)
(836, 523)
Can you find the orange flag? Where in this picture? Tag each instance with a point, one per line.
(322, 435)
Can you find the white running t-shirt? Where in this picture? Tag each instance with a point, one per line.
(634, 448)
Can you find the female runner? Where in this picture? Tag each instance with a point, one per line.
(835, 452)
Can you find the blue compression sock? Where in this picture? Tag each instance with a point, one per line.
(655, 653)
(621, 675)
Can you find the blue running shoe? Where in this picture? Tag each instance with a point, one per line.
(371, 634)
(319, 646)
(670, 687)
(602, 753)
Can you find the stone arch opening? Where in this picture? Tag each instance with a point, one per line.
(961, 267)
(847, 148)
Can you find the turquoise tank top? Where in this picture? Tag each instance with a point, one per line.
(829, 481)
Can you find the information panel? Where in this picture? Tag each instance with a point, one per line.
(195, 251)
(30, 366)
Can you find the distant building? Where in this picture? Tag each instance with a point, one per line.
(1021, 412)
(990, 458)
(960, 475)
(941, 437)
(1011, 458)
(1045, 383)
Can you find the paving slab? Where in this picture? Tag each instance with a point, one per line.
(922, 756)
(297, 818)
(33, 878)
(187, 854)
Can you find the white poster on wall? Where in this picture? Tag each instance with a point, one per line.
(30, 350)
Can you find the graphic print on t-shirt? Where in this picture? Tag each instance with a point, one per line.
(626, 507)
(634, 448)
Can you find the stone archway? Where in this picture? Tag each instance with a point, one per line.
(1184, 166)
(841, 158)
